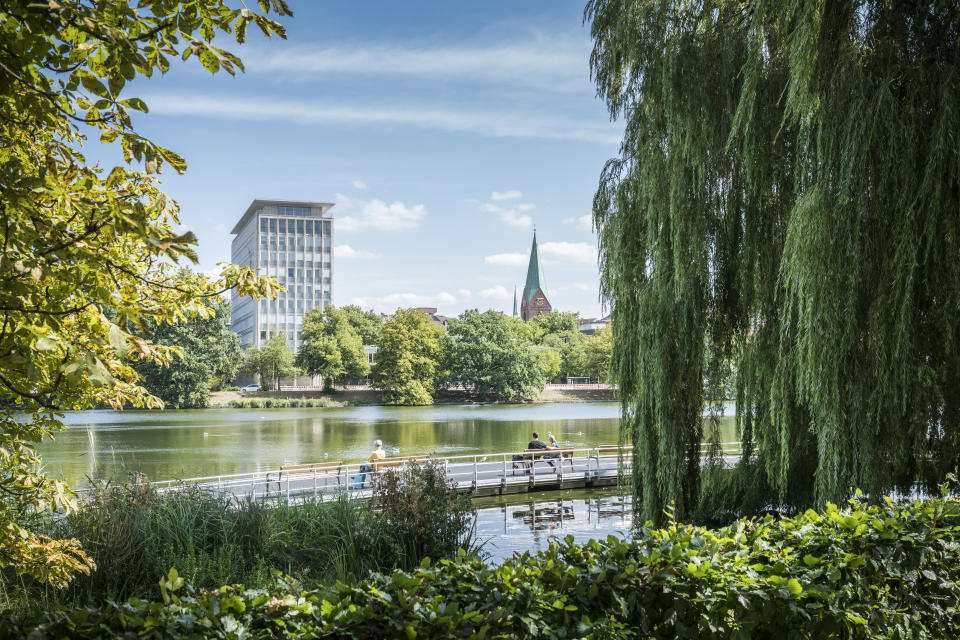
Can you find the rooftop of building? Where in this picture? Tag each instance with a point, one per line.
(256, 205)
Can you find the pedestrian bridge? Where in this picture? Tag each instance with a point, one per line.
(479, 475)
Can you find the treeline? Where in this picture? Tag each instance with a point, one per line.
(494, 356)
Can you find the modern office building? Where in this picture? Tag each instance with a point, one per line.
(293, 242)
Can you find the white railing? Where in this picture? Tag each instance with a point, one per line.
(466, 472)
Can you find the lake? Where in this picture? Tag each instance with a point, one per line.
(182, 444)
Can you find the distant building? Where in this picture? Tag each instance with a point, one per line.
(293, 242)
(589, 326)
(436, 317)
(534, 301)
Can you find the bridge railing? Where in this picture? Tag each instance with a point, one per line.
(461, 471)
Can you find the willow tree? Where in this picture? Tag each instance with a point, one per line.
(786, 192)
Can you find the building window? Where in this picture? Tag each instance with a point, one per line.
(300, 227)
(263, 335)
(290, 272)
(326, 228)
(283, 225)
(309, 227)
(263, 225)
(273, 225)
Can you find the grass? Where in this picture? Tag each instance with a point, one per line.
(136, 534)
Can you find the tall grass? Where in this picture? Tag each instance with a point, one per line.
(136, 534)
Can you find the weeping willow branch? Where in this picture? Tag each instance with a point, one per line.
(787, 192)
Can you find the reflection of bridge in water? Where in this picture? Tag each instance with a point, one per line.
(479, 475)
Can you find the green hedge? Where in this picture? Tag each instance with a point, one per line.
(887, 571)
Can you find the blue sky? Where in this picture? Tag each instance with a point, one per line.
(442, 131)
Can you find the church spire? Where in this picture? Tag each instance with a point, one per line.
(514, 301)
(534, 273)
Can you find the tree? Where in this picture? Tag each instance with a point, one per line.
(559, 322)
(597, 353)
(331, 347)
(787, 192)
(273, 362)
(570, 346)
(482, 354)
(367, 323)
(408, 358)
(76, 240)
(209, 356)
(550, 362)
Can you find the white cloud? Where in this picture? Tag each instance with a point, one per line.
(557, 62)
(579, 252)
(481, 122)
(506, 195)
(464, 293)
(359, 184)
(394, 301)
(498, 292)
(348, 252)
(354, 214)
(511, 216)
(507, 259)
(584, 223)
(222, 228)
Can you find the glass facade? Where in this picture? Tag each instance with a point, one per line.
(294, 245)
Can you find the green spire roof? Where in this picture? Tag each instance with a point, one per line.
(514, 301)
(534, 273)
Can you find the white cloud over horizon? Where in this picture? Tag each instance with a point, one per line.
(353, 214)
(499, 292)
(557, 63)
(507, 259)
(482, 122)
(345, 251)
(394, 301)
(506, 195)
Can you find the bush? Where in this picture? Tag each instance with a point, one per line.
(887, 571)
(135, 534)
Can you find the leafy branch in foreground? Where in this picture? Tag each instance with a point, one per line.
(89, 258)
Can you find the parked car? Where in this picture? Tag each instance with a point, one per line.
(250, 388)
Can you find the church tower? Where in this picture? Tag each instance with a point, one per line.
(534, 300)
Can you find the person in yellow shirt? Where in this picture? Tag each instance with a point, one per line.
(365, 468)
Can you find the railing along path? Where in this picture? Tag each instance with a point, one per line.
(478, 474)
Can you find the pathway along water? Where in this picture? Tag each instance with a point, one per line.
(181, 444)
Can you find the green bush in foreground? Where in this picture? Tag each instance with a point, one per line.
(887, 571)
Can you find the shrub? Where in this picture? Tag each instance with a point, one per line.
(887, 571)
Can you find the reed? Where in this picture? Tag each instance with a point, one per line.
(136, 534)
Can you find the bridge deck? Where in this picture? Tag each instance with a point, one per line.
(480, 475)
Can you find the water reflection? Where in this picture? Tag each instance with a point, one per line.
(530, 523)
(182, 444)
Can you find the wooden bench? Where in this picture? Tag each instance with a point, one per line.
(612, 448)
(325, 468)
(531, 456)
(383, 464)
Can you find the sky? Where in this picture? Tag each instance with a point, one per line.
(442, 131)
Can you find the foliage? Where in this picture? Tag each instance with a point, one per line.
(209, 355)
(367, 323)
(560, 322)
(786, 191)
(408, 358)
(421, 515)
(879, 572)
(136, 534)
(77, 240)
(550, 362)
(331, 347)
(272, 362)
(597, 354)
(257, 403)
(483, 355)
(570, 346)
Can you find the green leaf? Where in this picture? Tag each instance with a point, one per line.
(794, 587)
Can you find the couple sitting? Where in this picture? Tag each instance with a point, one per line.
(537, 443)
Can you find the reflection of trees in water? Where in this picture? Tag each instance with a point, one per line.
(545, 517)
(550, 516)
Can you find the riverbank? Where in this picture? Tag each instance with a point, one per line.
(373, 397)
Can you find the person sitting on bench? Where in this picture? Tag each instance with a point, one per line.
(365, 468)
(536, 443)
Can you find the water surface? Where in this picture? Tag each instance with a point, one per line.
(182, 444)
